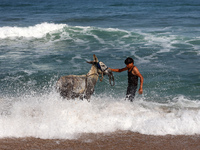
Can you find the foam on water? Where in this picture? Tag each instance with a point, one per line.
(48, 116)
(37, 31)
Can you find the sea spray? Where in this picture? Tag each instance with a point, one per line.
(50, 116)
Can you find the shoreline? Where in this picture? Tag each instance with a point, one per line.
(118, 141)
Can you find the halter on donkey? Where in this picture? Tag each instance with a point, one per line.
(82, 86)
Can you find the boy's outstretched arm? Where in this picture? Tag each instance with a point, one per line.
(119, 70)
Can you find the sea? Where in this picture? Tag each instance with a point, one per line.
(42, 40)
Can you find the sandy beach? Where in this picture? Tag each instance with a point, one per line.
(117, 141)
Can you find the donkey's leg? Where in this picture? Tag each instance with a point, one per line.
(90, 88)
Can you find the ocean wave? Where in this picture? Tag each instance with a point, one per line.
(37, 31)
(49, 116)
(159, 40)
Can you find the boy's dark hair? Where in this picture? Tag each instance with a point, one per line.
(129, 60)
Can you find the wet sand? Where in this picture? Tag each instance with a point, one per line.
(116, 141)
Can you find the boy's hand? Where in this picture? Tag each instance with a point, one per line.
(140, 91)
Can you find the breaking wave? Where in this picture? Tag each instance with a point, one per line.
(49, 116)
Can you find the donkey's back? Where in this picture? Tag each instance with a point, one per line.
(72, 86)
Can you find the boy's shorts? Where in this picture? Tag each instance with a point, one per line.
(130, 94)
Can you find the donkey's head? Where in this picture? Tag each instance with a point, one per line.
(102, 69)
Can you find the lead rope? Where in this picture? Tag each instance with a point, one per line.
(112, 80)
(101, 79)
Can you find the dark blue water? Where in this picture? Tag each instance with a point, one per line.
(43, 40)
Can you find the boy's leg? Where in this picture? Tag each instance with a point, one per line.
(130, 94)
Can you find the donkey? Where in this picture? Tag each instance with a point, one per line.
(82, 86)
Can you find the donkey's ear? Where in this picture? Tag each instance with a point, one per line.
(95, 58)
(90, 62)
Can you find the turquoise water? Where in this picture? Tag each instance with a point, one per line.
(43, 40)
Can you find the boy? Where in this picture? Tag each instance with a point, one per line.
(133, 74)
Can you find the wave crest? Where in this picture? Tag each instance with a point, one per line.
(37, 31)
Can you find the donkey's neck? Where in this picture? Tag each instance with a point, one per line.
(93, 75)
(93, 71)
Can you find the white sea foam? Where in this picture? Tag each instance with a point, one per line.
(37, 31)
(48, 116)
